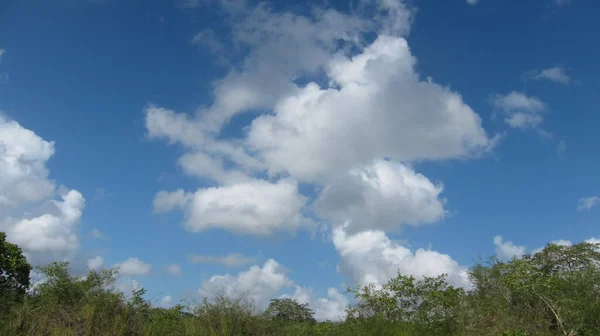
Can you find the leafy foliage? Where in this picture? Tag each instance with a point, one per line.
(553, 292)
(14, 271)
(289, 310)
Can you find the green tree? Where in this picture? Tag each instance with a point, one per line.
(430, 304)
(289, 310)
(555, 291)
(14, 270)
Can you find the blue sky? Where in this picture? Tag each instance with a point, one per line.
(296, 148)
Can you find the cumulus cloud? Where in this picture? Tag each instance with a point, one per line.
(332, 308)
(521, 111)
(586, 203)
(258, 207)
(134, 266)
(263, 283)
(371, 257)
(34, 213)
(95, 263)
(230, 260)
(507, 249)
(259, 284)
(381, 109)
(23, 157)
(337, 104)
(173, 269)
(383, 196)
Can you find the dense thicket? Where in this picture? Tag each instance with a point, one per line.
(554, 292)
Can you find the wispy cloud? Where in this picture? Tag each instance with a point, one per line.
(586, 203)
(555, 74)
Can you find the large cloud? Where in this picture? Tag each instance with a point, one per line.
(337, 104)
(382, 196)
(257, 283)
(258, 207)
(371, 257)
(35, 215)
(23, 156)
(263, 283)
(381, 109)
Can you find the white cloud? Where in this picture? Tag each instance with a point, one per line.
(507, 249)
(134, 266)
(381, 109)
(257, 208)
(230, 260)
(2, 51)
(332, 308)
(555, 74)
(371, 257)
(259, 284)
(166, 301)
(30, 213)
(23, 157)
(521, 111)
(173, 269)
(561, 242)
(95, 263)
(165, 201)
(126, 285)
(472, 2)
(382, 195)
(203, 165)
(586, 203)
(352, 131)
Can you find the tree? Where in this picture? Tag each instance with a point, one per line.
(429, 303)
(289, 310)
(555, 291)
(14, 270)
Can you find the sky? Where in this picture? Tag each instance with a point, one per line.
(293, 149)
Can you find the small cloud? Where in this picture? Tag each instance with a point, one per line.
(586, 203)
(166, 301)
(134, 266)
(96, 234)
(231, 260)
(173, 269)
(554, 74)
(2, 51)
(561, 149)
(472, 2)
(95, 263)
(507, 249)
(521, 111)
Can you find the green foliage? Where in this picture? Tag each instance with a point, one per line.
(554, 292)
(14, 271)
(290, 311)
